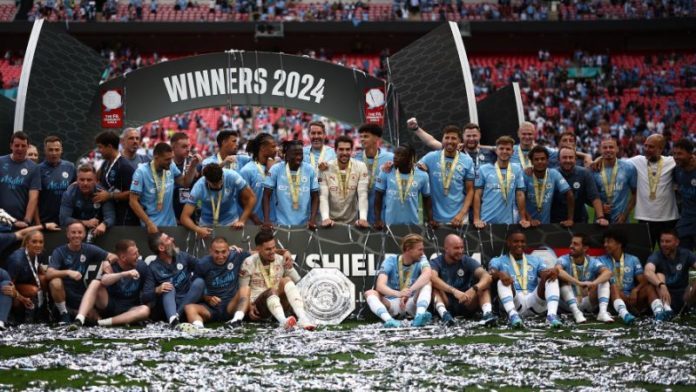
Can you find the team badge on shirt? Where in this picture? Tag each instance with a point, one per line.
(65, 174)
(679, 267)
(97, 205)
(576, 185)
(179, 266)
(83, 258)
(460, 272)
(24, 171)
(693, 182)
(230, 266)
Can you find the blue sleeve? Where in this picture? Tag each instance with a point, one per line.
(590, 186)
(56, 260)
(96, 250)
(435, 264)
(13, 268)
(175, 170)
(126, 173)
(495, 264)
(561, 183)
(196, 192)
(35, 183)
(313, 181)
(387, 266)
(6, 240)
(425, 184)
(470, 175)
(148, 292)
(519, 177)
(66, 208)
(238, 181)
(109, 213)
(272, 177)
(654, 259)
(480, 180)
(4, 276)
(137, 183)
(637, 267)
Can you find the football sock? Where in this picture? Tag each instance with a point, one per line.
(378, 308)
(551, 291)
(105, 322)
(620, 307)
(505, 294)
(603, 294)
(276, 309)
(424, 296)
(569, 298)
(61, 307)
(656, 306)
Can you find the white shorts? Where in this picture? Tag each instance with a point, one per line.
(529, 304)
(395, 307)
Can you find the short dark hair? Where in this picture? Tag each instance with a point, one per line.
(583, 238)
(161, 148)
(566, 148)
(451, 128)
(225, 134)
(318, 124)
(287, 145)
(178, 136)
(536, 150)
(569, 133)
(616, 235)
(343, 139)
(219, 239)
(108, 138)
(213, 172)
(263, 236)
(684, 144)
(254, 145)
(671, 232)
(123, 245)
(19, 135)
(371, 128)
(505, 140)
(153, 241)
(52, 139)
(513, 232)
(471, 126)
(409, 150)
(86, 168)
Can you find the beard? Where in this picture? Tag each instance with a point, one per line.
(172, 251)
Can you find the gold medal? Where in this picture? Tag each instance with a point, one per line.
(445, 174)
(609, 184)
(161, 187)
(521, 279)
(523, 159)
(504, 182)
(404, 280)
(576, 276)
(539, 190)
(317, 161)
(294, 183)
(216, 206)
(399, 188)
(372, 168)
(344, 178)
(268, 278)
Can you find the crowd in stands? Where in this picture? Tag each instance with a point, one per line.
(357, 11)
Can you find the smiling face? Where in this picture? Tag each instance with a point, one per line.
(450, 142)
(76, 234)
(19, 149)
(516, 243)
(577, 249)
(294, 156)
(267, 250)
(472, 138)
(35, 243)
(220, 251)
(503, 151)
(344, 150)
(53, 151)
(540, 161)
(682, 157)
(609, 149)
(567, 158)
(526, 134)
(316, 136)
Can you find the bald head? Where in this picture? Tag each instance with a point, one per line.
(654, 145)
(454, 248)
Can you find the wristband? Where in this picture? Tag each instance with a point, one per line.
(43, 224)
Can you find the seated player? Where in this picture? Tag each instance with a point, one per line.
(460, 284)
(223, 300)
(668, 271)
(403, 286)
(218, 194)
(400, 190)
(584, 281)
(296, 188)
(77, 203)
(525, 285)
(27, 269)
(117, 296)
(268, 284)
(67, 269)
(629, 285)
(172, 281)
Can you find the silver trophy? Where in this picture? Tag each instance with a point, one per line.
(329, 296)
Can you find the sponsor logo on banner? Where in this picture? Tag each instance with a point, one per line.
(374, 106)
(112, 108)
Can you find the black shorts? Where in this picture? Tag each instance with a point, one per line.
(457, 309)
(116, 307)
(219, 312)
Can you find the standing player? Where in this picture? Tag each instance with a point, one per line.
(630, 289)
(227, 152)
(115, 176)
(499, 187)
(218, 194)
(685, 179)
(130, 143)
(265, 280)
(403, 286)
(343, 186)
(374, 157)
(118, 296)
(263, 150)
(68, 268)
(317, 152)
(224, 299)
(56, 175)
(152, 190)
(525, 285)
(616, 182)
(541, 185)
(451, 175)
(584, 281)
(181, 147)
(297, 190)
(668, 271)
(20, 182)
(460, 285)
(171, 277)
(400, 191)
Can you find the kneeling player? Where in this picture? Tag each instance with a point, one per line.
(534, 285)
(460, 285)
(403, 286)
(668, 271)
(629, 285)
(590, 278)
(223, 300)
(270, 285)
(117, 295)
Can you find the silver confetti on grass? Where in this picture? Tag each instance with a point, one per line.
(366, 357)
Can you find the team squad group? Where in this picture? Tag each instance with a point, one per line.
(459, 182)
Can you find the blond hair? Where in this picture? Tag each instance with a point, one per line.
(409, 241)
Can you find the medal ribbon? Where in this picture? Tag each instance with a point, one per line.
(232, 165)
(267, 277)
(522, 280)
(344, 178)
(447, 177)
(261, 169)
(311, 157)
(372, 168)
(523, 160)
(402, 192)
(161, 188)
(575, 273)
(216, 206)
(620, 271)
(540, 189)
(654, 178)
(610, 184)
(294, 185)
(403, 281)
(504, 183)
